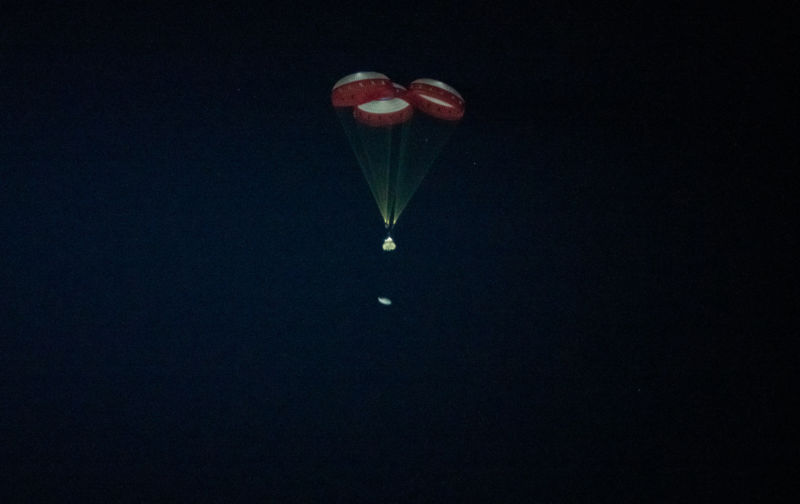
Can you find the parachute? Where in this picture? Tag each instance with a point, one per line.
(396, 134)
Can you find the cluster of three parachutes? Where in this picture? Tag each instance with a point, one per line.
(396, 134)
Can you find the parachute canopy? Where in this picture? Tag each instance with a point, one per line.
(396, 134)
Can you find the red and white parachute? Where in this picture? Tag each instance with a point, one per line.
(396, 133)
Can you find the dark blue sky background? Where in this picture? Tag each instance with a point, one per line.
(589, 288)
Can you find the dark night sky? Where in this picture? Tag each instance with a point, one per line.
(590, 290)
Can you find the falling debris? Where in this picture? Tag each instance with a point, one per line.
(384, 301)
